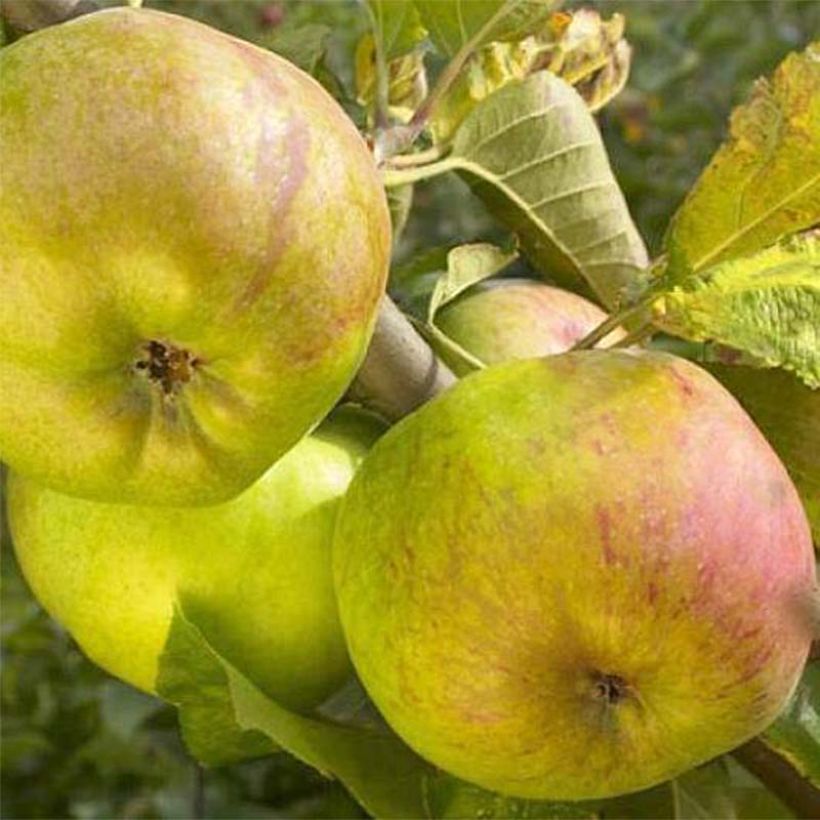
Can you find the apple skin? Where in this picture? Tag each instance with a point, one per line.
(195, 240)
(787, 411)
(505, 319)
(576, 576)
(254, 573)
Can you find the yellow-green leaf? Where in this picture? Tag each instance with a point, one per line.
(466, 266)
(580, 47)
(489, 69)
(764, 183)
(766, 304)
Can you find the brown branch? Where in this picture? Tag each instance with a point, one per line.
(400, 371)
(783, 780)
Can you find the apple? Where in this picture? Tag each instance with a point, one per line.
(195, 242)
(254, 572)
(576, 576)
(505, 319)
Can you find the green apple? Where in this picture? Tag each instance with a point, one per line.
(576, 576)
(506, 319)
(254, 572)
(195, 240)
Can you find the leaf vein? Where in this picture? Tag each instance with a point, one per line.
(709, 257)
(572, 192)
(549, 157)
(533, 115)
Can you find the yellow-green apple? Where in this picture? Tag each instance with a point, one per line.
(254, 572)
(194, 243)
(506, 319)
(576, 576)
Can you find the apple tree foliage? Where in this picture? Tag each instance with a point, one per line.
(504, 95)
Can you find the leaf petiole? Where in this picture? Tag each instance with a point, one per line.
(430, 330)
(394, 177)
(608, 325)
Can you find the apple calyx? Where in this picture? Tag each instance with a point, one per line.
(167, 366)
(610, 689)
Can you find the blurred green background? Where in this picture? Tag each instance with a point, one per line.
(76, 743)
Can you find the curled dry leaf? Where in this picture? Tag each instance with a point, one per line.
(582, 48)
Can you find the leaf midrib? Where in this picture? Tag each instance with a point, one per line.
(739, 234)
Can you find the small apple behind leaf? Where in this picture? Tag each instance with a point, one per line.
(254, 573)
(504, 319)
(576, 576)
(194, 244)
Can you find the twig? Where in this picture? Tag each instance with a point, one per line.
(400, 371)
(635, 337)
(198, 797)
(382, 100)
(785, 782)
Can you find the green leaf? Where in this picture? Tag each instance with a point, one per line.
(532, 152)
(467, 265)
(788, 414)
(412, 283)
(469, 24)
(448, 797)
(650, 804)
(795, 735)
(764, 183)
(219, 707)
(396, 23)
(766, 304)
(399, 203)
(302, 44)
(753, 801)
(426, 262)
(192, 678)
(704, 793)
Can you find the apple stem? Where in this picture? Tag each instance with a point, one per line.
(400, 370)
